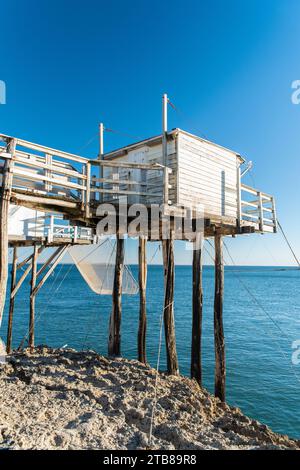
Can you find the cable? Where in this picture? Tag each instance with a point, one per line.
(185, 116)
(266, 313)
(88, 143)
(288, 243)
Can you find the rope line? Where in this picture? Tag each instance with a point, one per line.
(154, 403)
(288, 243)
(268, 315)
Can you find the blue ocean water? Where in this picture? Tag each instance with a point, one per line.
(261, 378)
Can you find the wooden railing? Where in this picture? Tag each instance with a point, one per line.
(257, 208)
(49, 172)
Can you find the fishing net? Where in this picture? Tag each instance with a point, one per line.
(96, 264)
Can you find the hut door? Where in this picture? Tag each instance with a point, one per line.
(137, 175)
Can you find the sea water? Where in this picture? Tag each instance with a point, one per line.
(261, 321)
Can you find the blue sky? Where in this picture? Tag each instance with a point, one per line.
(228, 65)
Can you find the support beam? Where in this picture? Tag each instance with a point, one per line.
(62, 250)
(49, 261)
(168, 258)
(143, 313)
(196, 366)
(5, 193)
(220, 366)
(32, 296)
(114, 343)
(12, 300)
(24, 275)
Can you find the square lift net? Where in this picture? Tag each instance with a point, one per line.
(96, 264)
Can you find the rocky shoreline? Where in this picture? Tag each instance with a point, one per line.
(63, 399)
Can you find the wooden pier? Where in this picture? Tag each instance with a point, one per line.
(174, 171)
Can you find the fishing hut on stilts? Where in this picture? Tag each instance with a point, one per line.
(175, 175)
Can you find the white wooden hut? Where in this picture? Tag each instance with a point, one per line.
(203, 173)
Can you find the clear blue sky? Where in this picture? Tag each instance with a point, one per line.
(227, 64)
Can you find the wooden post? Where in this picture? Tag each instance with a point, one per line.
(12, 300)
(143, 313)
(168, 258)
(114, 344)
(196, 368)
(5, 192)
(32, 296)
(220, 366)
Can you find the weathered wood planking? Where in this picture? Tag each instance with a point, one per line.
(169, 322)
(220, 365)
(143, 311)
(12, 300)
(196, 366)
(202, 172)
(114, 342)
(32, 297)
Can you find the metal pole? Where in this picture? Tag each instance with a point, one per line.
(100, 157)
(164, 144)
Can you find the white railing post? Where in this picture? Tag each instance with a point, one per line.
(166, 186)
(48, 172)
(274, 212)
(83, 191)
(51, 229)
(261, 211)
(239, 197)
(88, 190)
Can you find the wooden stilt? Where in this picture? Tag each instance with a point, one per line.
(5, 192)
(220, 367)
(114, 343)
(32, 296)
(143, 313)
(196, 368)
(12, 300)
(168, 258)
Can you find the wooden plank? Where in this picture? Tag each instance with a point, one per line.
(116, 191)
(12, 300)
(137, 166)
(32, 297)
(168, 258)
(125, 182)
(51, 151)
(220, 365)
(27, 175)
(143, 313)
(196, 366)
(114, 343)
(38, 199)
(53, 168)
